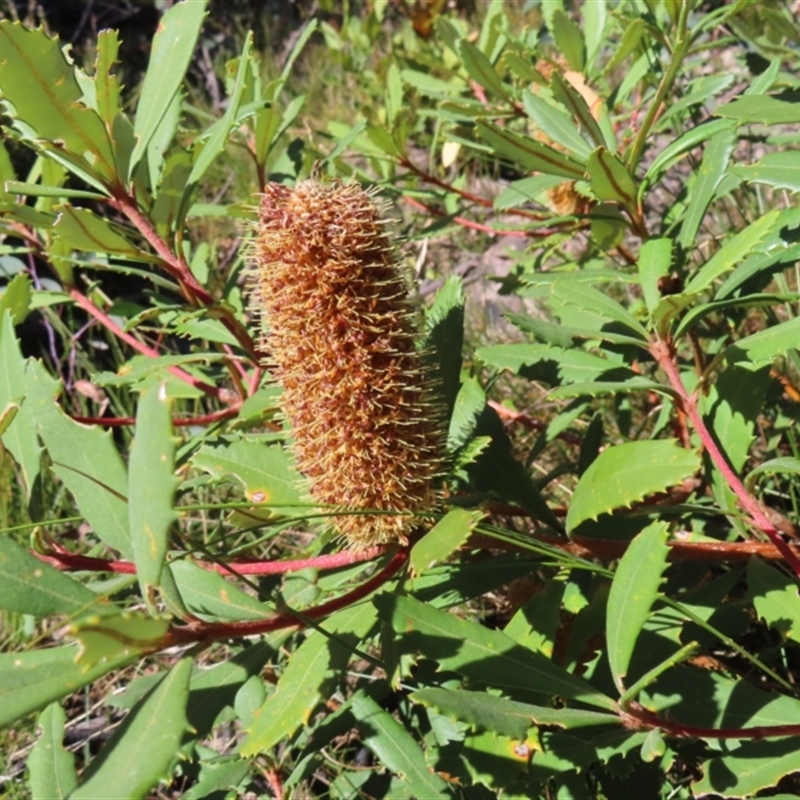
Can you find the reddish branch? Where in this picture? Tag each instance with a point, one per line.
(62, 559)
(178, 422)
(87, 305)
(635, 717)
(664, 354)
(207, 632)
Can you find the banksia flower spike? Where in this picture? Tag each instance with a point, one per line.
(368, 433)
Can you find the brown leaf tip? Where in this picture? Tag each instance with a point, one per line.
(368, 432)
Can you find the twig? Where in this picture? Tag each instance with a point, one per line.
(178, 422)
(664, 354)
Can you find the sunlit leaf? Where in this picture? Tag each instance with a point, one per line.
(113, 637)
(779, 170)
(51, 768)
(775, 597)
(762, 109)
(444, 538)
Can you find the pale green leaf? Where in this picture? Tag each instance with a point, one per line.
(610, 179)
(786, 464)
(29, 586)
(144, 746)
(633, 592)
(529, 153)
(107, 87)
(779, 170)
(443, 539)
(775, 597)
(627, 473)
(764, 346)
(51, 769)
(736, 249)
(172, 49)
(762, 109)
(313, 668)
(85, 459)
(81, 229)
(655, 261)
(569, 40)
(31, 680)
(569, 97)
(16, 297)
(112, 637)
(209, 595)
(557, 125)
(267, 472)
(151, 484)
(631, 37)
(480, 69)
(396, 749)
(484, 711)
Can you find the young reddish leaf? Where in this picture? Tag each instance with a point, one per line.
(627, 473)
(146, 744)
(151, 484)
(633, 592)
(51, 768)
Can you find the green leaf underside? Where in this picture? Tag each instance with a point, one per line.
(396, 749)
(145, 745)
(484, 711)
(633, 592)
(481, 655)
(627, 473)
(51, 768)
(151, 484)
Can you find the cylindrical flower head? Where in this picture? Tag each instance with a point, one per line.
(368, 433)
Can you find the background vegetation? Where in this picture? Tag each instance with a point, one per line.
(597, 201)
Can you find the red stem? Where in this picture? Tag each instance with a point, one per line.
(87, 305)
(178, 422)
(664, 354)
(637, 717)
(64, 560)
(213, 631)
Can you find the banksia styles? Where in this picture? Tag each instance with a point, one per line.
(368, 432)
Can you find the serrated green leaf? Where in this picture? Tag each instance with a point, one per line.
(433, 87)
(480, 69)
(444, 336)
(37, 79)
(151, 484)
(564, 335)
(496, 761)
(762, 109)
(631, 37)
(468, 406)
(675, 150)
(172, 49)
(633, 592)
(748, 769)
(655, 261)
(779, 170)
(733, 251)
(51, 769)
(775, 597)
(629, 472)
(207, 594)
(569, 97)
(106, 83)
(218, 778)
(751, 301)
(636, 383)
(81, 229)
(267, 472)
(485, 657)
(595, 16)
(145, 745)
(312, 669)
(85, 459)
(117, 636)
(443, 539)
(764, 346)
(708, 177)
(29, 586)
(610, 179)
(569, 39)
(557, 125)
(486, 711)
(17, 298)
(394, 94)
(141, 367)
(40, 190)
(31, 680)
(528, 153)
(596, 304)
(395, 748)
